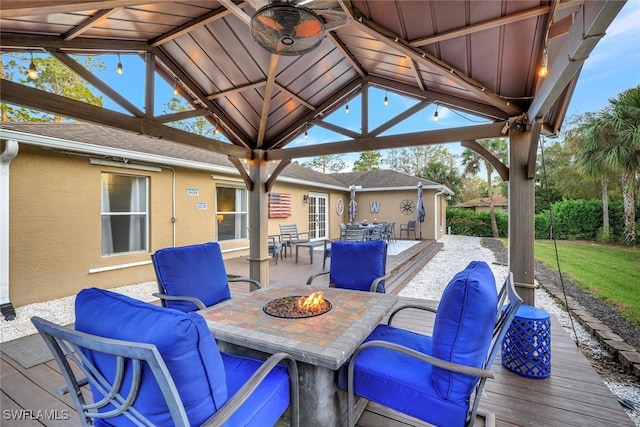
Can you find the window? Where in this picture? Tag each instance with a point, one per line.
(231, 213)
(125, 223)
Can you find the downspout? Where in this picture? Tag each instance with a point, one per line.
(437, 209)
(173, 202)
(9, 153)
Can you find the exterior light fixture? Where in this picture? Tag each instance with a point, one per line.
(386, 99)
(33, 71)
(435, 115)
(544, 66)
(305, 198)
(119, 68)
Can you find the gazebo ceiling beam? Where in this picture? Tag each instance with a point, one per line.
(440, 136)
(19, 8)
(578, 44)
(15, 93)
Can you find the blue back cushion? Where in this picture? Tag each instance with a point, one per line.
(183, 339)
(194, 271)
(354, 265)
(463, 327)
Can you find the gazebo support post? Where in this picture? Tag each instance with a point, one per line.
(258, 218)
(521, 215)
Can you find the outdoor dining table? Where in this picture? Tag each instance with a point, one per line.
(320, 344)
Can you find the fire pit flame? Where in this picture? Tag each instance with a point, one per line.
(297, 307)
(311, 302)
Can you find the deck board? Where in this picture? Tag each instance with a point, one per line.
(574, 395)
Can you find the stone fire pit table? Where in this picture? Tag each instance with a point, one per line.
(320, 344)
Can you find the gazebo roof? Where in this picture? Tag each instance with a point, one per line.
(478, 57)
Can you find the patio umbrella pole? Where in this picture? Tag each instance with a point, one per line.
(420, 210)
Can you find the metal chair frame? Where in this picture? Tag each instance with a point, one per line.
(505, 315)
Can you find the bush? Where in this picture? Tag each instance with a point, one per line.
(582, 220)
(466, 222)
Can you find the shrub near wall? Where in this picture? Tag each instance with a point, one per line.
(467, 222)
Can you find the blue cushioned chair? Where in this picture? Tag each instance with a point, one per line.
(434, 378)
(149, 365)
(193, 277)
(357, 265)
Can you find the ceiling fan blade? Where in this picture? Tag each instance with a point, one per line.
(270, 22)
(309, 28)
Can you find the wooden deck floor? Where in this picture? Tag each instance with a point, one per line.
(573, 396)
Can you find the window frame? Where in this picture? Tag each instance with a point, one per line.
(146, 214)
(219, 213)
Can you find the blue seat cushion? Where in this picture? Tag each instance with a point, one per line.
(267, 402)
(183, 339)
(195, 271)
(355, 265)
(463, 327)
(402, 382)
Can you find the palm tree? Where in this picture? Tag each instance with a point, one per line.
(612, 143)
(472, 162)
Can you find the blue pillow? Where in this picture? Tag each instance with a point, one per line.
(195, 271)
(183, 339)
(463, 327)
(355, 265)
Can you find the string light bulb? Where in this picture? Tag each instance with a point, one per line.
(216, 131)
(386, 100)
(346, 109)
(33, 71)
(435, 115)
(119, 68)
(175, 87)
(544, 66)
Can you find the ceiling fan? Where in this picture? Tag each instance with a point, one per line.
(284, 28)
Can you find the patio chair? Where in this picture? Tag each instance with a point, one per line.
(275, 247)
(290, 236)
(408, 228)
(148, 365)
(438, 379)
(343, 230)
(357, 265)
(355, 235)
(193, 277)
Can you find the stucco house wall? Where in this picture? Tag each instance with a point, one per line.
(55, 215)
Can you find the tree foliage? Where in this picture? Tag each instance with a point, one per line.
(368, 161)
(197, 125)
(473, 162)
(329, 163)
(53, 77)
(610, 143)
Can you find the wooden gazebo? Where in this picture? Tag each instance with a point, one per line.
(478, 57)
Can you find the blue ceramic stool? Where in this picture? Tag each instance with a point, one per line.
(526, 348)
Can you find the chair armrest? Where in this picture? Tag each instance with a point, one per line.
(403, 307)
(254, 283)
(374, 284)
(241, 396)
(440, 363)
(303, 232)
(312, 277)
(193, 300)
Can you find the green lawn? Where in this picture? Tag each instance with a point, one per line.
(609, 272)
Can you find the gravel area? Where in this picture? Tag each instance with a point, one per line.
(458, 251)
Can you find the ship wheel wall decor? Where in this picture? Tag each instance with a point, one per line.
(407, 206)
